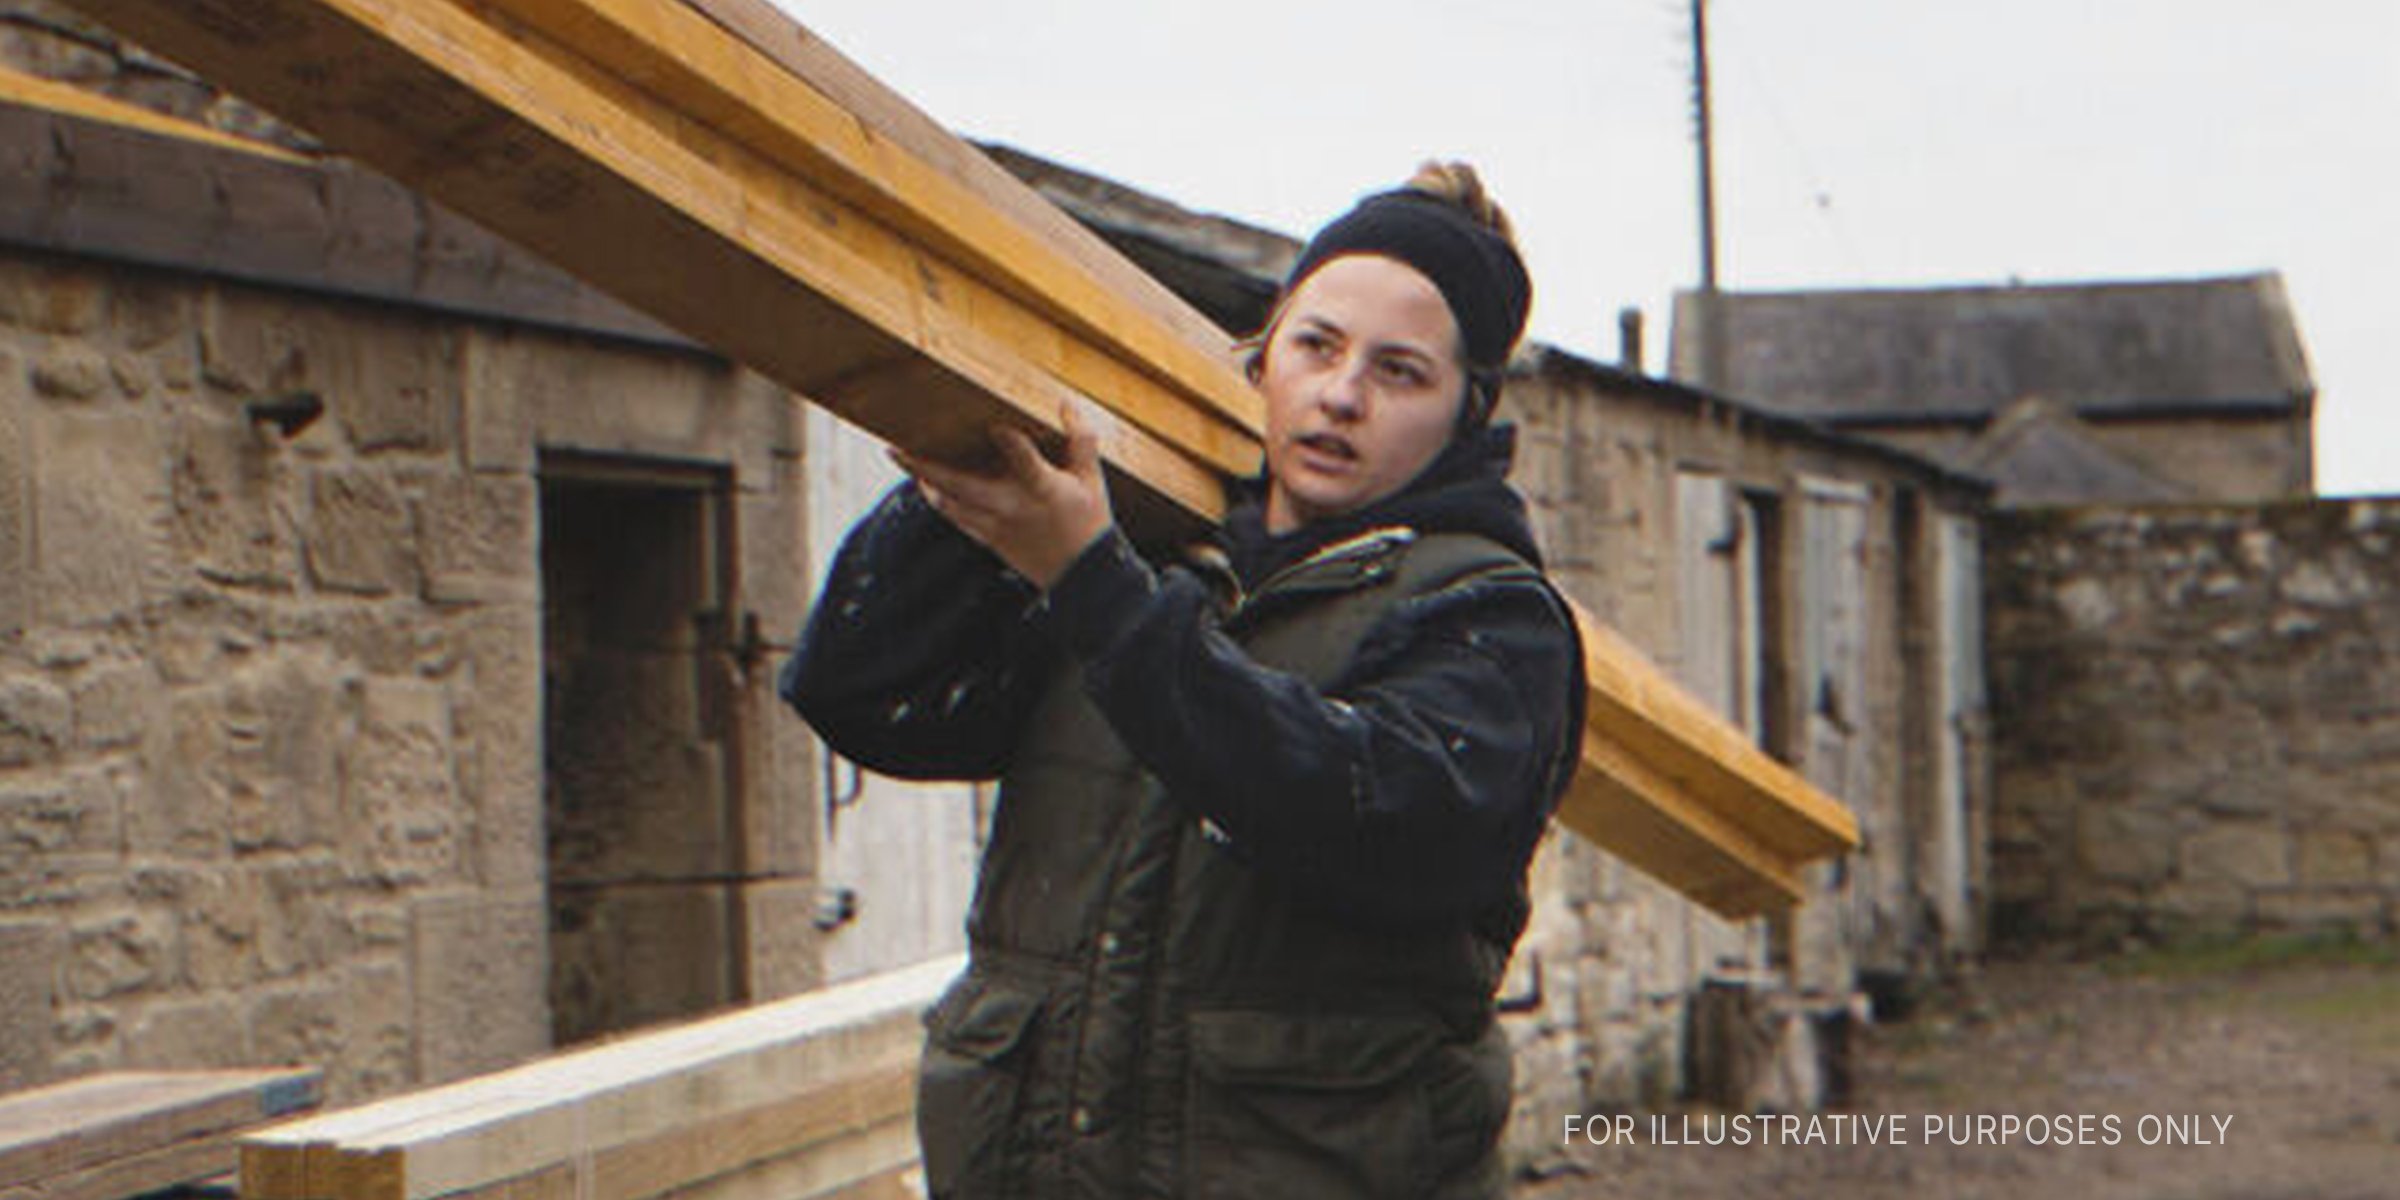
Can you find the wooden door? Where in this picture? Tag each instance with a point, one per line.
(1958, 650)
(1836, 752)
(1720, 640)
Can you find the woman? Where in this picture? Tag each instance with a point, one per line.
(1265, 814)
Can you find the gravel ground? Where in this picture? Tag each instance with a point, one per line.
(2297, 1047)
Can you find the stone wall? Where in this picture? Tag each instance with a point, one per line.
(2198, 719)
(271, 774)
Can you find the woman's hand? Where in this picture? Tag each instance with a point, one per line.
(1035, 515)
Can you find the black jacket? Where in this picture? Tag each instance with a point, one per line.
(1440, 757)
(1260, 847)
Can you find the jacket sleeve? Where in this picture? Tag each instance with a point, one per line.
(917, 660)
(1414, 788)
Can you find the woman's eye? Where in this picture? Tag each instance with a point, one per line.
(1403, 373)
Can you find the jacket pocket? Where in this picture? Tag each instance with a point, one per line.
(1315, 1106)
(970, 1085)
(1469, 1086)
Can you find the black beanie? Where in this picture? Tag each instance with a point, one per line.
(1476, 270)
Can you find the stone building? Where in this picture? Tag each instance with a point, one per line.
(388, 624)
(2131, 392)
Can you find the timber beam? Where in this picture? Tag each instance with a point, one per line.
(809, 1096)
(712, 165)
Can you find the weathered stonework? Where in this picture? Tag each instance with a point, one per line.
(128, 953)
(29, 974)
(2199, 718)
(498, 428)
(388, 385)
(208, 1033)
(478, 536)
(36, 720)
(474, 1006)
(496, 692)
(360, 536)
(100, 500)
(400, 816)
(16, 505)
(784, 956)
(114, 702)
(43, 296)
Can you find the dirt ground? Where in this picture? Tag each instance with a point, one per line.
(2298, 1046)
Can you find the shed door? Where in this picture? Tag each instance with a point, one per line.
(1833, 642)
(896, 861)
(1719, 602)
(1718, 624)
(1836, 753)
(1958, 576)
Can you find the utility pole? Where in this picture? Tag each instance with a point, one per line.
(1707, 147)
(1711, 360)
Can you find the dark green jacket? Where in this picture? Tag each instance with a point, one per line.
(1257, 862)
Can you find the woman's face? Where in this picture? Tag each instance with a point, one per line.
(1363, 383)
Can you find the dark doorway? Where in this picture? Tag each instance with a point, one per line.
(641, 795)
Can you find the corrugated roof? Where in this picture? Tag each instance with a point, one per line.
(1940, 354)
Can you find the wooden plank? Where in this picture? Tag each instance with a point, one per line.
(271, 1168)
(892, 118)
(873, 1162)
(589, 1104)
(859, 1101)
(1634, 704)
(687, 224)
(513, 1135)
(1646, 818)
(876, 152)
(850, 1165)
(84, 1124)
(905, 1182)
(154, 1170)
(816, 256)
(559, 1181)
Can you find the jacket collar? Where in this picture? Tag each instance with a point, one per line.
(1464, 490)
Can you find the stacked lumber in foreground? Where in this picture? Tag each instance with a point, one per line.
(711, 164)
(126, 1133)
(807, 1097)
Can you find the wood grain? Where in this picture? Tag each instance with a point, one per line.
(158, 1128)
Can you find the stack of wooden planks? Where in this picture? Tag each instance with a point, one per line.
(126, 1133)
(807, 1097)
(712, 165)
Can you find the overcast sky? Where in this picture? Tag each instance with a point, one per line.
(1860, 142)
